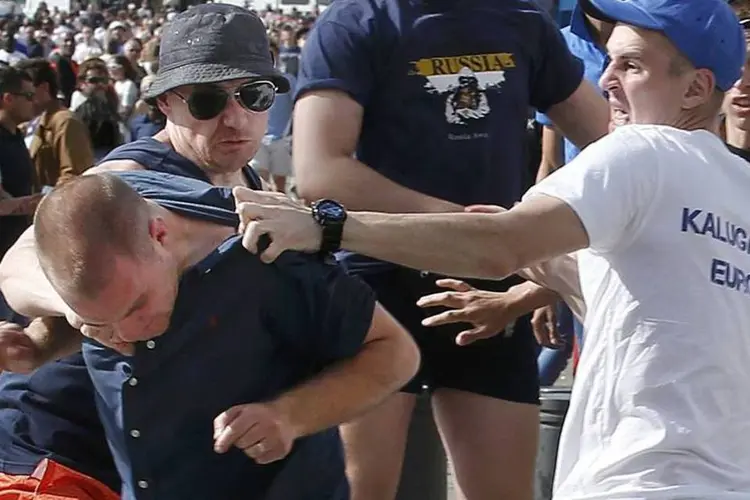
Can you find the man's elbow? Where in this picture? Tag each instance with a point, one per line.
(318, 176)
(408, 359)
(400, 359)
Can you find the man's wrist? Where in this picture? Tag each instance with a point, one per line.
(528, 296)
(283, 407)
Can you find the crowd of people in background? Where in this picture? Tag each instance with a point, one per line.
(396, 111)
(97, 62)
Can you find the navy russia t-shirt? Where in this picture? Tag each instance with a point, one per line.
(446, 88)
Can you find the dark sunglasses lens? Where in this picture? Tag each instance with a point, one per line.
(97, 79)
(207, 104)
(258, 96)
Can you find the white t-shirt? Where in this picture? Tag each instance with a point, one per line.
(661, 402)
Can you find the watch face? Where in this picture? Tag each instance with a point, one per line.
(331, 211)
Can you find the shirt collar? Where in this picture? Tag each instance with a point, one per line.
(211, 260)
(4, 132)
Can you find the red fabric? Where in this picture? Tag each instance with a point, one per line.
(52, 481)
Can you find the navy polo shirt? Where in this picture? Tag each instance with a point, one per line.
(241, 331)
(446, 86)
(51, 413)
(594, 58)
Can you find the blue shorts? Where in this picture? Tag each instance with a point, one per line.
(502, 367)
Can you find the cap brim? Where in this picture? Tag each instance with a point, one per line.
(626, 13)
(194, 74)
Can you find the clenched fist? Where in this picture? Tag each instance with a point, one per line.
(260, 430)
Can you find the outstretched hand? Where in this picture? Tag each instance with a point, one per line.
(488, 312)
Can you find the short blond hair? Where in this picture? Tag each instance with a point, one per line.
(82, 225)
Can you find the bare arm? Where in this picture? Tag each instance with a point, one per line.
(54, 338)
(387, 360)
(24, 285)
(552, 152)
(583, 117)
(22, 281)
(469, 245)
(327, 124)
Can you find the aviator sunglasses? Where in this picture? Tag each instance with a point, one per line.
(208, 101)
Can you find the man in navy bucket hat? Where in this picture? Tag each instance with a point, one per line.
(657, 215)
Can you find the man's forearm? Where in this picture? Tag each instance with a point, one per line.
(24, 285)
(529, 296)
(348, 389)
(459, 244)
(359, 187)
(54, 338)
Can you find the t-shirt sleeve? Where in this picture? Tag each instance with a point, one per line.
(557, 73)
(338, 54)
(611, 186)
(190, 197)
(338, 308)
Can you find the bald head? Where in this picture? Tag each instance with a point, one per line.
(82, 225)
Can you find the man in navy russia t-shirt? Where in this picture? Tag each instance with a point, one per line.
(422, 106)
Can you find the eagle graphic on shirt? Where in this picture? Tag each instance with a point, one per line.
(465, 82)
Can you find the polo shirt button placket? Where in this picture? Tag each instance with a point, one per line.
(150, 344)
(143, 484)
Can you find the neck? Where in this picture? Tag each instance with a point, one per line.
(191, 240)
(7, 122)
(698, 119)
(52, 106)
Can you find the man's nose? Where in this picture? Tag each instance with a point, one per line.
(235, 116)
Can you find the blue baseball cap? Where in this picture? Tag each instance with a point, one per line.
(707, 32)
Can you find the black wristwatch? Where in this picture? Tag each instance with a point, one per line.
(330, 215)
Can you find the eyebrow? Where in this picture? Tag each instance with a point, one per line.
(136, 305)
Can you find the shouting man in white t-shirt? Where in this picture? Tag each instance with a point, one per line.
(661, 214)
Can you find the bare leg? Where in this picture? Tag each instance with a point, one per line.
(492, 444)
(375, 445)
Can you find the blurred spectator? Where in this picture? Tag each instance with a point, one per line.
(132, 50)
(9, 48)
(103, 124)
(66, 67)
(58, 142)
(87, 47)
(17, 172)
(147, 118)
(123, 76)
(289, 52)
(274, 158)
(93, 77)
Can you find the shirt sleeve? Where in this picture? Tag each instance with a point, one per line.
(611, 186)
(73, 147)
(338, 54)
(557, 73)
(339, 308)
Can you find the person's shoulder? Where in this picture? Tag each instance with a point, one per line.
(355, 13)
(63, 115)
(630, 137)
